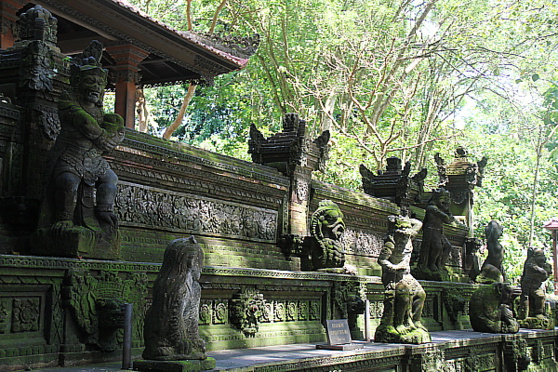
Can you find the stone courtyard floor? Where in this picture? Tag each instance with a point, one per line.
(289, 357)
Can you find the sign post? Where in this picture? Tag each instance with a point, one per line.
(339, 336)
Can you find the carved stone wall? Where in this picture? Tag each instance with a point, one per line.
(48, 302)
(236, 209)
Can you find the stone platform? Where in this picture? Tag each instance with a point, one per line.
(463, 350)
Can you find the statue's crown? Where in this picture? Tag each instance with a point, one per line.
(88, 62)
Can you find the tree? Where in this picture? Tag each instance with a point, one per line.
(393, 78)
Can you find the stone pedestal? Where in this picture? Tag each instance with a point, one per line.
(174, 366)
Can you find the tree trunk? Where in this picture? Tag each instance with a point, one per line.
(176, 123)
(142, 111)
(192, 87)
(534, 196)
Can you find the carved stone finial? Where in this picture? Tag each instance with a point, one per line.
(394, 183)
(289, 150)
(393, 164)
(37, 24)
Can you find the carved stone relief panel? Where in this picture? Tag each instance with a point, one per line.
(4, 314)
(220, 312)
(205, 312)
(144, 206)
(362, 242)
(279, 311)
(291, 310)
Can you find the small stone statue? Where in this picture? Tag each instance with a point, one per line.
(77, 217)
(404, 296)
(490, 309)
(536, 271)
(171, 323)
(327, 227)
(435, 247)
(492, 270)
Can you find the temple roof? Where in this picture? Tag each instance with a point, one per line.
(173, 56)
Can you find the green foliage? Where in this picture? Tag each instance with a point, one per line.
(392, 78)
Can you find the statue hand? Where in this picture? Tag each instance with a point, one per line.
(108, 217)
(106, 142)
(58, 228)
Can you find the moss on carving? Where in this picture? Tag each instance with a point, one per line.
(491, 311)
(247, 311)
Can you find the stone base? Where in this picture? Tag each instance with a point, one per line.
(333, 270)
(76, 242)
(344, 347)
(390, 335)
(423, 273)
(540, 322)
(174, 366)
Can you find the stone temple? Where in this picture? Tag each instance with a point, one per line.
(283, 253)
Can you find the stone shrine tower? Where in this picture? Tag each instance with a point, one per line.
(460, 178)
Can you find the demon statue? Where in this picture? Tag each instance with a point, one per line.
(492, 270)
(325, 247)
(435, 247)
(536, 271)
(404, 297)
(77, 217)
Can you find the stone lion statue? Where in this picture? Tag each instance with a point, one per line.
(171, 323)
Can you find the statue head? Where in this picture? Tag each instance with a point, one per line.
(537, 256)
(89, 81)
(87, 76)
(183, 255)
(506, 292)
(442, 199)
(327, 221)
(493, 230)
(400, 226)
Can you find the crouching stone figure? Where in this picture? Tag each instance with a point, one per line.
(171, 324)
(532, 312)
(490, 309)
